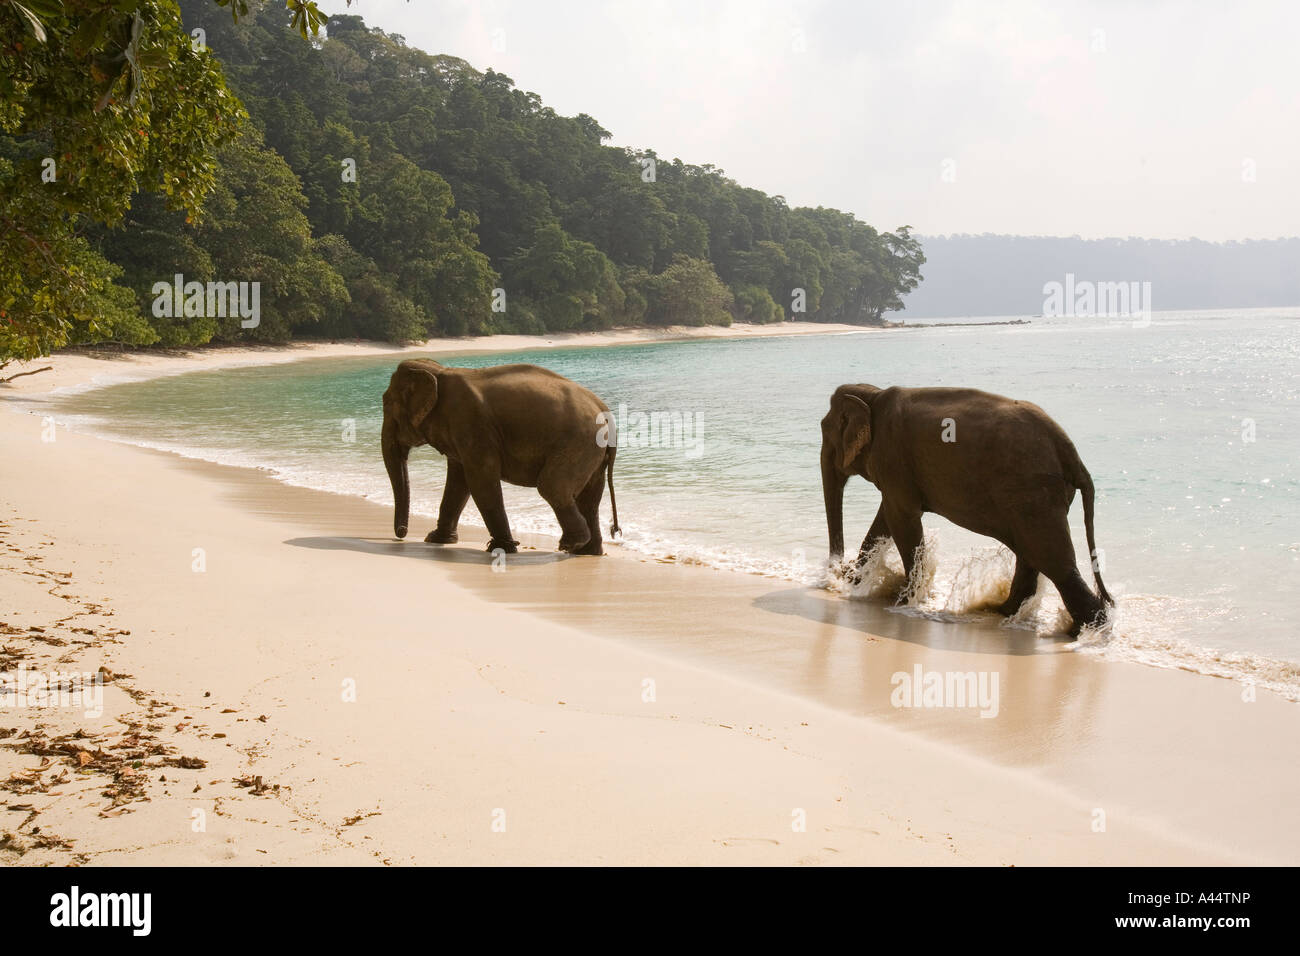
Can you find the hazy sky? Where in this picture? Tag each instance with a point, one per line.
(1121, 118)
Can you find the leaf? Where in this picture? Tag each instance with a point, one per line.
(90, 34)
(306, 16)
(45, 8)
(131, 53)
(238, 8)
(34, 23)
(152, 59)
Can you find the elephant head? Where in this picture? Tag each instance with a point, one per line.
(846, 441)
(409, 401)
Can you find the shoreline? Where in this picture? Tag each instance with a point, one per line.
(1275, 675)
(91, 367)
(770, 698)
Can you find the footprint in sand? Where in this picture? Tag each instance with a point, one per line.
(747, 841)
(853, 828)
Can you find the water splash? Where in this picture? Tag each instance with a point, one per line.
(983, 580)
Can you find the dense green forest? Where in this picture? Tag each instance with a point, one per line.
(372, 190)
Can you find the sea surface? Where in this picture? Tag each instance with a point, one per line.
(1190, 426)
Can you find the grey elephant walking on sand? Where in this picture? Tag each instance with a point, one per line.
(993, 465)
(518, 423)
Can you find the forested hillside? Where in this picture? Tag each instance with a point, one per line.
(379, 191)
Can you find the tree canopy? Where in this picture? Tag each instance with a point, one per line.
(371, 188)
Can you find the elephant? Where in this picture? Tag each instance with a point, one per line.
(993, 465)
(518, 423)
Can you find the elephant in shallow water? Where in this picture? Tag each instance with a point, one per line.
(993, 465)
(518, 423)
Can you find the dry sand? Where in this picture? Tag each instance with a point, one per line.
(102, 366)
(322, 693)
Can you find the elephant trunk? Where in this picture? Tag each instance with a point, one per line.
(395, 455)
(833, 481)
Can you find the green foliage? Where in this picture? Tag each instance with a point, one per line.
(307, 19)
(755, 304)
(520, 318)
(370, 188)
(574, 230)
(111, 97)
(688, 292)
(55, 289)
(406, 223)
(255, 231)
(97, 102)
(113, 316)
(568, 284)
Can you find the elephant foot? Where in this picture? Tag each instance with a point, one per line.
(1008, 608)
(593, 548)
(509, 547)
(573, 546)
(1078, 622)
(437, 536)
(853, 572)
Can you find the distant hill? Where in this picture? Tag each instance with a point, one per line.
(1004, 275)
(383, 192)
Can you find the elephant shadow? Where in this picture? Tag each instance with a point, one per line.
(421, 550)
(978, 633)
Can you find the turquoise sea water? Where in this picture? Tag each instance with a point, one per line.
(1188, 427)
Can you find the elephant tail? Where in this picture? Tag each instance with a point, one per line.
(1083, 481)
(614, 529)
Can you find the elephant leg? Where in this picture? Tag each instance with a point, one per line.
(589, 506)
(1023, 585)
(879, 529)
(561, 492)
(1050, 549)
(905, 528)
(1085, 607)
(455, 495)
(485, 487)
(574, 533)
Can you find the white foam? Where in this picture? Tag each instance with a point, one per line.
(1142, 630)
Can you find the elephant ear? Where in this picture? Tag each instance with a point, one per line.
(421, 393)
(856, 432)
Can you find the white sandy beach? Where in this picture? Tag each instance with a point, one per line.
(322, 693)
(99, 366)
